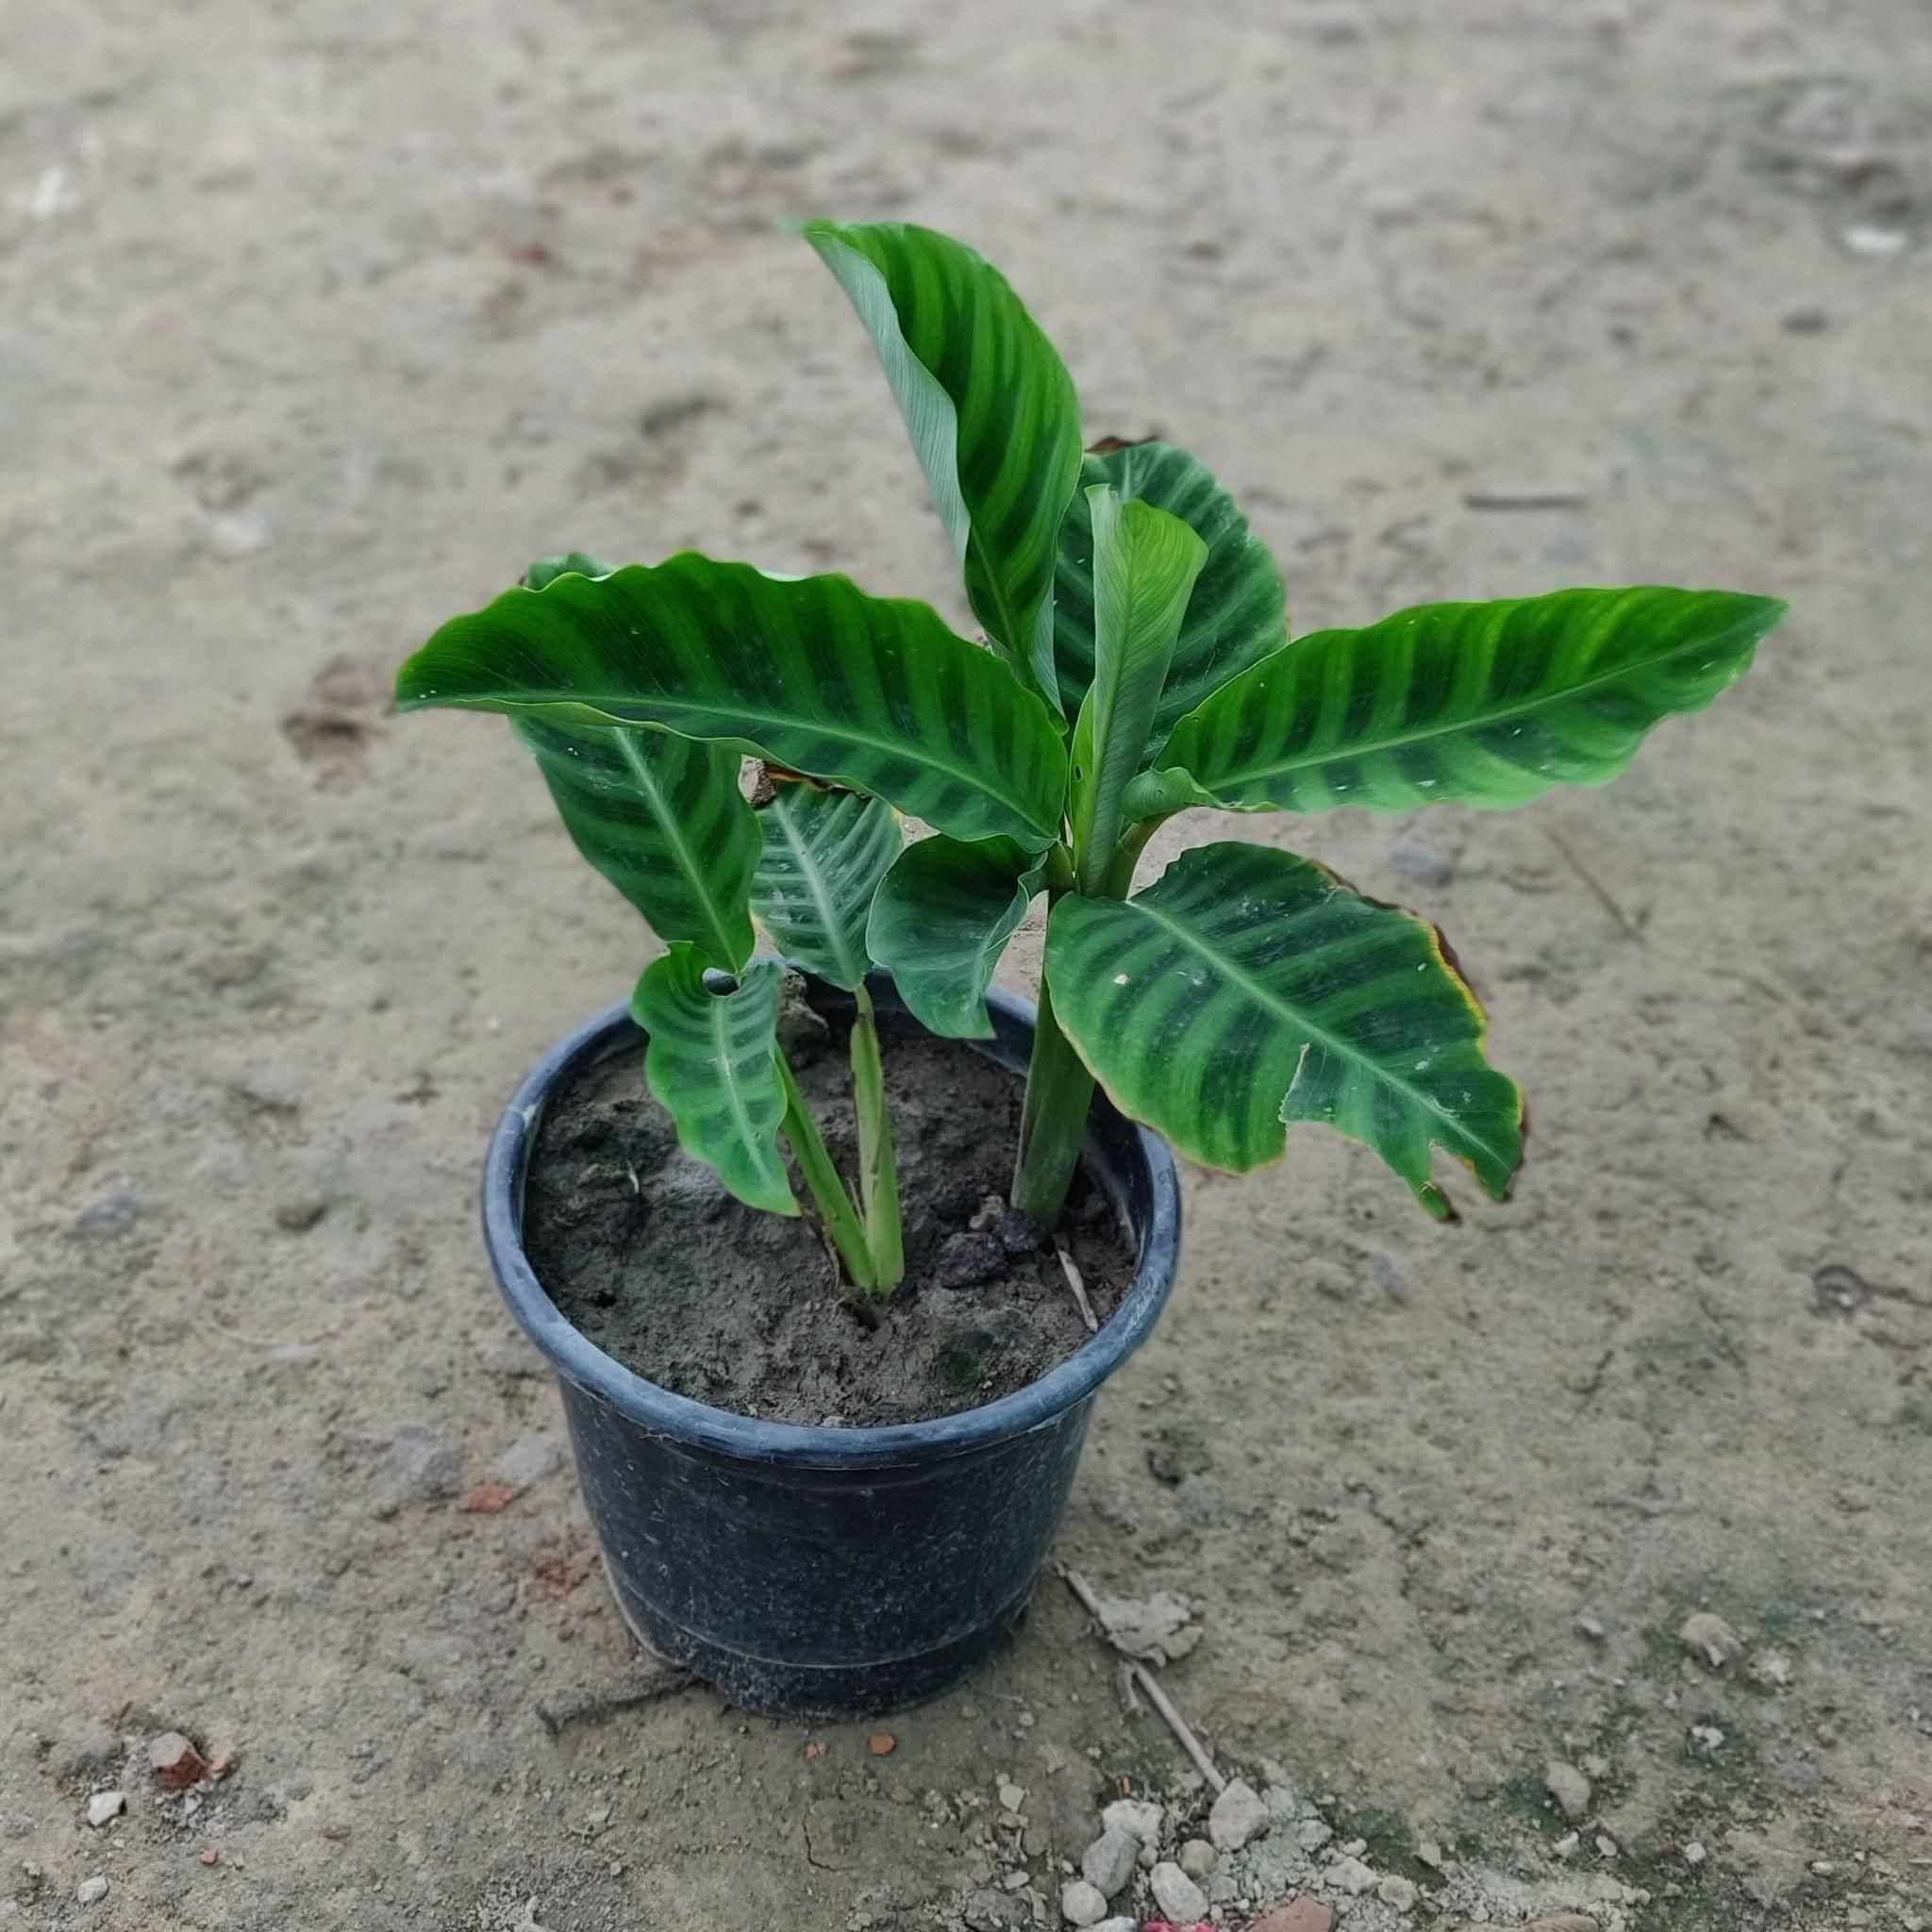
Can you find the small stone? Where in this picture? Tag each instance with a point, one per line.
(1430, 1853)
(967, 1260)
(1018, 1880)
(1301, 1914)
(1157, 1629)
(528, 1460)
(1109, 1862)
(1694, 1852)
(90, 1892)
(1177, 1895)
(175, 1761)
(1351, 1875)
(1771, 1668)
(1238, 1814)
(1312, 1834)
(1012, 1796)
(420, 1460)
(104, 1807)
(882, 1744)
(1197, 1858)
(1019, 1233)
(1123, 1924)
(1863, 239)
(1082, 1904)
(1139, 1818)
(1708, 1637)
(1398, 1892)
(1569, 1787)
(1590, 1627)
(487, 1499)
(1418, 862)
(299, 1215)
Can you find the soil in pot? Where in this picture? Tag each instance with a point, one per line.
(648, 1256)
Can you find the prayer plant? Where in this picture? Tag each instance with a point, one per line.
(1138, 664)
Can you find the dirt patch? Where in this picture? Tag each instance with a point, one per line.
(645, 1251)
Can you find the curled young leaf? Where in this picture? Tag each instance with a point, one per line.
(1489, 704)
(1247, 987)
(942, 918)
(1236, 614)
(873, 693)
(712, 1062)
(824, 853)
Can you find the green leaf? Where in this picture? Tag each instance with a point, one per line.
(990, 409)
(1144, 566)
(1490, 704)
(1247, 987)
(824, 853)
(546, 570)
(662, 819)
(713, 1061)
(1237, 614)
(940, 922)
(871, 693)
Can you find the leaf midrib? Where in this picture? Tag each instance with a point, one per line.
(674, 834)
(1266, 997)
(1361, 748)
(815, 883)
(721, 1043)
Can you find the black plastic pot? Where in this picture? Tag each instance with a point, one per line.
(826, 1572)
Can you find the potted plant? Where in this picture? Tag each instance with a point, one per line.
(835, 1556)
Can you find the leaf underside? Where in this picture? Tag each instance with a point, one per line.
(1489, 704)
(991, 410)
(871, 693)
(662, 819)
(1236, 615)
(1247, 987)
(824, 853)
(712, 1064)
(940, 921)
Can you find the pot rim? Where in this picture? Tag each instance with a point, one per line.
(575, 1357)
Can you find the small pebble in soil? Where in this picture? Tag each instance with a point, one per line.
(105, 1807)
(175, 1761)
(1197, 1858)
(299, 1215)
(422, 1463)
(1138, 1817)
(1351, 1875)
(882, 1744)
(1019, 1233)
(1177, 1895)
(1708, 1638)
(967, 1260)
(90, 1892)
(1399, 1892)
(1569, 1787)
(1109, 1862)
(1082, 1904)
(1238, 1814)
(529, 1460)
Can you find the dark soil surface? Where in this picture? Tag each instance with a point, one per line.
(744, 1309)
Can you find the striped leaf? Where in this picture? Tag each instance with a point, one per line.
(940, 922)
(824, 853)
(871, 693)
(713, 1061)
(662, 819)
(990, 409)
(1247, 987)
(1237, 614)
(1144, 566)
(1490, 704)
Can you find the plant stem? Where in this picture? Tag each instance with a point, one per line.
(879, 1174)
(1052, 1119)
(827, 1190)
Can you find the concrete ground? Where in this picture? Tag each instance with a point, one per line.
(318, 320)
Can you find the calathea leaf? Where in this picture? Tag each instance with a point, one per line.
(990, 409)
(871, 693)
(1236, 614)
(662, 819)
(547, 569)
(713, 1061)
(1246, 988)
(1144, 566)
(940, 921)
(1490, 704)
(824, 853)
